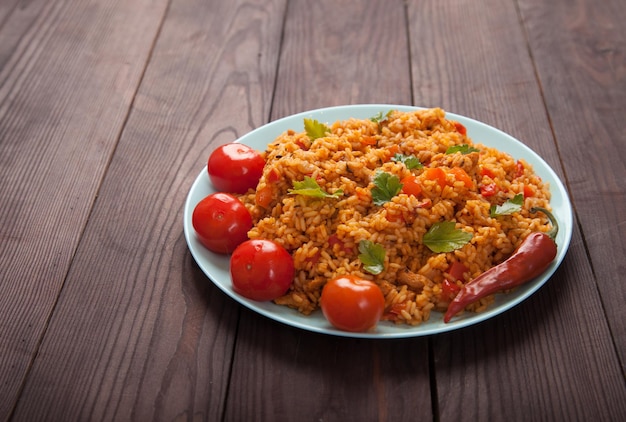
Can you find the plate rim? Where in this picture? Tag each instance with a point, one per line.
(293, 318)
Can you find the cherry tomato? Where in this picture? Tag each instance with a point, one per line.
(221, 222)
(352, 304)
(261, 270)
(235, 168)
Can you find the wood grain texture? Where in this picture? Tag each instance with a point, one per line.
(108, 112)
(64, 95)
(282, 374)
(334, 52)
(342, 52)
(592, 142)
(497, 84)
(149, 337)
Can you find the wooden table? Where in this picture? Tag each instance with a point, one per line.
(108, 112)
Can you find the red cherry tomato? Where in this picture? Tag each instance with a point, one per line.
(221, 222)
(235, 168)
(352, 304)
(261, 270)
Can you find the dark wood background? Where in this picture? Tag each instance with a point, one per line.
(109, 110)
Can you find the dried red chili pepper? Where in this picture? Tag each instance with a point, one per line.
(529, 260)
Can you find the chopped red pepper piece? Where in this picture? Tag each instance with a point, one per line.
(457, 271)
(484, 171)
(333, 240)
(449, 290)
(488, 190)
(460, 128)
(392, 151)
(264, 196)
(519, 166)
(368, 140)
(302, 145)
(273, 176)
(528, 191)
(315, 258)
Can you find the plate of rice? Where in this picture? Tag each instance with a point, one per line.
(460, 170)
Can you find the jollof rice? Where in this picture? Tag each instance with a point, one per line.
(323, 234)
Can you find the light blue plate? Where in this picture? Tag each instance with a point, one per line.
(216, 267)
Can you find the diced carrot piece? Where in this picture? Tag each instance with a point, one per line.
(368, 140)
(436, 173)
(462, 176)
(263, 196)
(392, 151)
(528, 191)
(411, 186)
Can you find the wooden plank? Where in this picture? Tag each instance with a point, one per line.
(485, 372)
(334, 52)
(64, 95)
(587, 108)
(7, 14)
(282, 373)
(341, 53)
(150, 337)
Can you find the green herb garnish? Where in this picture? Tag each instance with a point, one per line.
(380, 117)
(509, 207)
(372, 255)
(309, 187)
(463, 149)
(315, 129)
(445, 237)
(386, 186)
(410, 161)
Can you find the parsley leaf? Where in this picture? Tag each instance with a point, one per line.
(509, 207)
(315, 129)
(379, 117)
(463, 149)
(309, 187)
(410, 161)
(445, 237)
(372, 256)
(386, 187)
